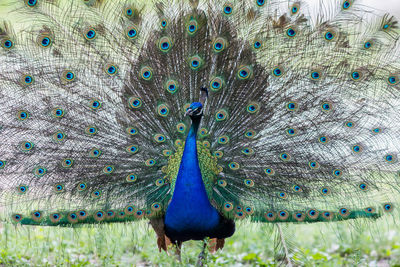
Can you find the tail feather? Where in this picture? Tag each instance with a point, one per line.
(300, 122)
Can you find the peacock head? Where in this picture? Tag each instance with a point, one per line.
(195, 110)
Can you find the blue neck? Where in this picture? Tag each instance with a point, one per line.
(190, 210)
(189, 176)
(193, 131)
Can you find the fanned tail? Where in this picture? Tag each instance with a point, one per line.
(300, 124)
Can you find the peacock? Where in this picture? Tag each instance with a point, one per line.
(197, 114)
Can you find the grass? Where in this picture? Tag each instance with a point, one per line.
(324, 244)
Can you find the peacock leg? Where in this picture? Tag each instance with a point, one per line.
(178, 248)
(202, 255)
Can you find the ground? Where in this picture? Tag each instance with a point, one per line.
(352, 243)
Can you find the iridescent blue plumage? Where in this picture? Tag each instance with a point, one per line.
(190, 214)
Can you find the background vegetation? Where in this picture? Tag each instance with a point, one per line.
(354, 243)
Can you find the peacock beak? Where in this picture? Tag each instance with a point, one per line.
(189, 112)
